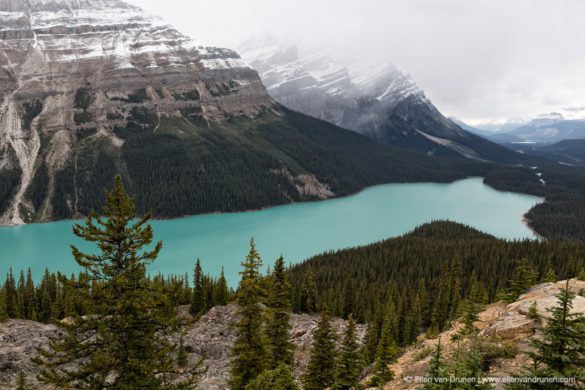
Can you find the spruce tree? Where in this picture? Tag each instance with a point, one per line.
(250, 348)
(523, 278)
(549, 274)
(20, 296)
(436, 370)
(279, 378)
(349, 362)
(11, 298)
(468, 316)
(278, 321)
(223, 293)
(455, 284)
(468, 363)
(3, 312)
(349, 304)
(30, 301)
(320, 372)
(46, 312)
(127, 348)
(441, 309)
(309, 292)
(21, 381)
(182, 358)
(198, 299)
(414, 321)
(373, 334)
(385, 354)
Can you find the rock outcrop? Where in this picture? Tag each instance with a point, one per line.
(499, 323)
(208, 339)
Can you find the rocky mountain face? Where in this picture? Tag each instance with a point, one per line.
(506, 325)
(90, 89)
(379, 101)
(72, 70)
(210, 338)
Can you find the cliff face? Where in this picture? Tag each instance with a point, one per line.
(210, 338)
(76, 69)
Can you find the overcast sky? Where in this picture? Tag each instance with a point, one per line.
(478, 60)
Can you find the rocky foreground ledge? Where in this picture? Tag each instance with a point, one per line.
(210, 338)
(499, 322)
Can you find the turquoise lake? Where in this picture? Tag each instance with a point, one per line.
(298, 231)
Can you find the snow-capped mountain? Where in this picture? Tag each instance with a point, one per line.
(377, 100)
(74, 68)
(550, 128)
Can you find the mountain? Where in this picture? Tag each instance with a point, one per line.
(93, 88)
(492, 135)
(482, 133)
(567, 152)
(379, 101)
(550, 128)
(501, 127)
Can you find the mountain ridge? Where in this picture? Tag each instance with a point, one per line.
(377, 100)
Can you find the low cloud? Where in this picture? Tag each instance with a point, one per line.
(479, 60)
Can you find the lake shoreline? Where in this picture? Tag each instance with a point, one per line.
(297, 231)
(273, 206)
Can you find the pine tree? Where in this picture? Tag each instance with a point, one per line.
(349, 304)
(436, 370)
(182, 358)
(309, 292)
(468, 363)
(549, 274)
(581, 274)
(250, 349)
(20, 295)
(46, 312)
(414, 320)
(279, 378)
(11, 298)
(373, 334)
(278, 322)
(441, 309)
(385, 354)
(523, 278)
(320, 372)
(223, 293)
(198, 300)
(455, 285)
(129, 318)
(468, 316)
(560, 352)
(29, 295)
(21, 381)
(3, 312)
(349, 362)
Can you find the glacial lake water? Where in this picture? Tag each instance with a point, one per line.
(297, 231)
